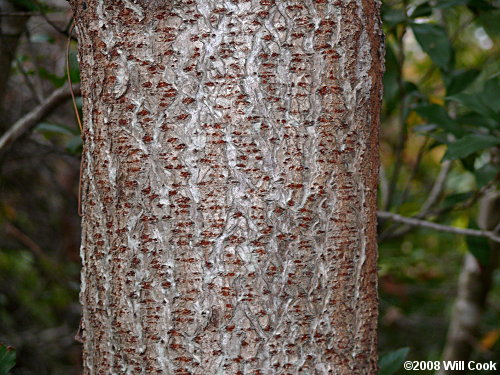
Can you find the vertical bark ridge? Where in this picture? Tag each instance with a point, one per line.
(230, 169)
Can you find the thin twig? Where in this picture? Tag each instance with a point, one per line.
(439, 227)
(32, 118)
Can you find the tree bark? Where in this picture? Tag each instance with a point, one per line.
(230, 167)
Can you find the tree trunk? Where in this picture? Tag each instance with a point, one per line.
(229, 186)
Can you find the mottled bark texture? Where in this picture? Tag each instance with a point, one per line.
(229, 186)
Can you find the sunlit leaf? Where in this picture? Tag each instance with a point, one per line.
(434, 41)
(469, 144)
(390, 363)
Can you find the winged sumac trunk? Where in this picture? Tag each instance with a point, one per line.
(229, 186)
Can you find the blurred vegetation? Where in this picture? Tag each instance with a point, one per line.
(439, 153)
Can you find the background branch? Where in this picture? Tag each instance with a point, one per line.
(36, 115)
(440, 227)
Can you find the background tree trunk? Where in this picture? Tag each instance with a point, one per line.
(229, 186)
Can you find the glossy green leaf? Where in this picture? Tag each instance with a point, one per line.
(390, 363)
(469, 144)
(7, 359)
(434, 41)
(458, 81)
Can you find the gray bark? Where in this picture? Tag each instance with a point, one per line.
(229, 186)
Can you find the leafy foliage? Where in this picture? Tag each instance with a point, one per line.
(441, 117)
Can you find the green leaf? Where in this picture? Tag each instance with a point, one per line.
(423, 10)
(459, 80)
(441, 4)
(434, 41)
(453, 199)
(476, 120)
(29, 5)
(469, 144)
(490, 22)
(392, 16)
(474, 102)
(46, 127)
(491, 93)
(393, 361)
(56, 80)
(478, 246)
(7, 359)
(478, 6)
(437, 115)
(74, 69)
(485, 174)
